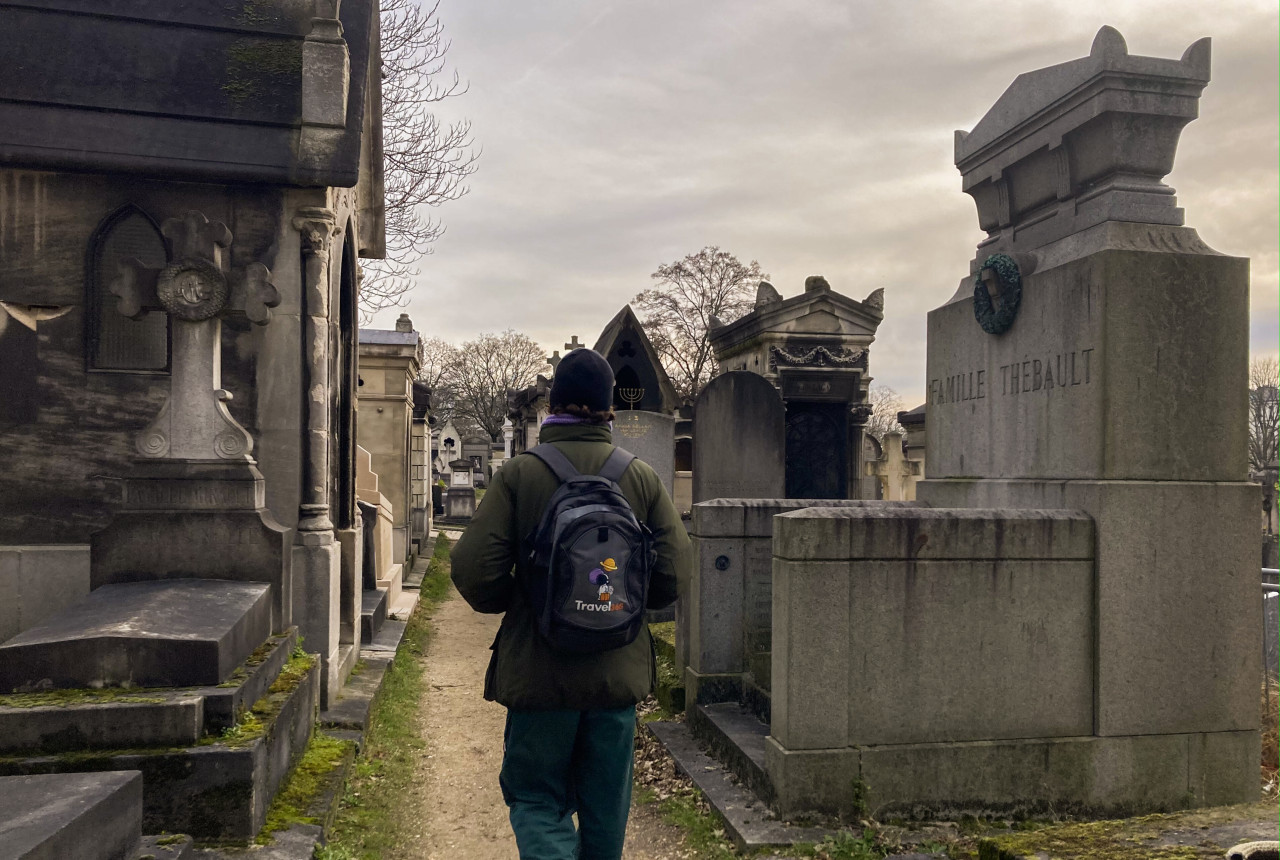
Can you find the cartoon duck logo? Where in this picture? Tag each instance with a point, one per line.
(600, 577)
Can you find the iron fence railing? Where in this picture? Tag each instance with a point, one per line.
(1271, 622)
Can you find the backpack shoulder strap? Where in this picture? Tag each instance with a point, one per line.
(556, 461)
(616, 465)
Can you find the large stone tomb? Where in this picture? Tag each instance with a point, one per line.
(1128, 348)
(1068, 621)
(82, 816)
(142, 634)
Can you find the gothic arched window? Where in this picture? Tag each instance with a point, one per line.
(115, 342)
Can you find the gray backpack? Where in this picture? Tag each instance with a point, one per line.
(587, 565)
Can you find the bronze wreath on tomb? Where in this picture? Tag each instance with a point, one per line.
(996, 314)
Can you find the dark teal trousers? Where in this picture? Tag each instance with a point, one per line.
(557, 763)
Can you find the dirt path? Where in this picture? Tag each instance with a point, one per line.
(459, 804)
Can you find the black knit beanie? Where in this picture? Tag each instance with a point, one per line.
(584, 378)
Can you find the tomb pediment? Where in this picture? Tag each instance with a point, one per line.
(641, 381)
(817, 311)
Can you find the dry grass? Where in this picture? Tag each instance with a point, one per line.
(1270, 714)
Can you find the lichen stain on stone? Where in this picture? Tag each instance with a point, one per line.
(1138, 838)
(23, 202)
(256, 66)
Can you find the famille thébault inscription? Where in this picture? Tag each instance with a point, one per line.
(1061, 370)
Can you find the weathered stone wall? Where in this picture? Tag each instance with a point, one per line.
(59, 482)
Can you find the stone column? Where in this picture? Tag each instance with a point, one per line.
(316, 556)
(860, 487)
(316, 227)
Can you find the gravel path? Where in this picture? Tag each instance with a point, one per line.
(459, 804)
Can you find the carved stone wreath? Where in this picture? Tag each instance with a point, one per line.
(819, 356)
(192, 289)
(996, 314)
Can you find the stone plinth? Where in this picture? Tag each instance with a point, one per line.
(198, 520)
(994, 617)
(71, 815)
(147, 634)
(988, 615)
(459, 502)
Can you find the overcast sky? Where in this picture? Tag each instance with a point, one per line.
(814, 136)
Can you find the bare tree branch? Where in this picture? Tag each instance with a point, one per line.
(425, 162)
(1264, 416)
(885, 406)
(677, 312)
(437, 357)
(484, 369)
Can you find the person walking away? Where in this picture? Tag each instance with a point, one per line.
(571, 714)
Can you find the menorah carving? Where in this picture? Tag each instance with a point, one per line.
(631, 396)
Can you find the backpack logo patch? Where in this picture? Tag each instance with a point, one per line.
(600, 578)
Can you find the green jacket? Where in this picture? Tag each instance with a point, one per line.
(524, 673)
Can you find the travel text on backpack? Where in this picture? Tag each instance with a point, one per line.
(588, 563)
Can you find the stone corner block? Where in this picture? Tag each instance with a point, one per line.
(826, 781)
(718, 518)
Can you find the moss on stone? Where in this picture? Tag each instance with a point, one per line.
(1139, 838)
(253, 723)
(298, 798)
(256, 66)
(257, 658)
(68, 698)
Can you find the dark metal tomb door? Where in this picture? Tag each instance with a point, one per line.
(817, 451)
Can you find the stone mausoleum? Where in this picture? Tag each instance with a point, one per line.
(1066, 619)
(806, 437)
(185, 193)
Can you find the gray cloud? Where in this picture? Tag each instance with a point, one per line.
(814, 136)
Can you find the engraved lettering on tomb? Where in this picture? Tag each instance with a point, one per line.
(1058, 370)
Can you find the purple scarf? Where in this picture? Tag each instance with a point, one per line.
(556, 420)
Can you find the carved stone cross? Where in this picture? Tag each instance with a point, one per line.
(554, 360)
(572, 345)
(194, 423)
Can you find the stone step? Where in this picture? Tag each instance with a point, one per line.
(391, 580)
(127, 721)
(735, 736)
(404, 607)
(167, 633)
(216, 790)
(373, 613)
(58, 721)
(746, 817)
(87, 816)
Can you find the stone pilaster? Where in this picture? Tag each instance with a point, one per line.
(316, 554)
(316, 227)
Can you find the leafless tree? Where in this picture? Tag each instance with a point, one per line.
(1264, 420)
(425, 161)
(484, 369)
(885, 406)
(438, 356)
(677, 314)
